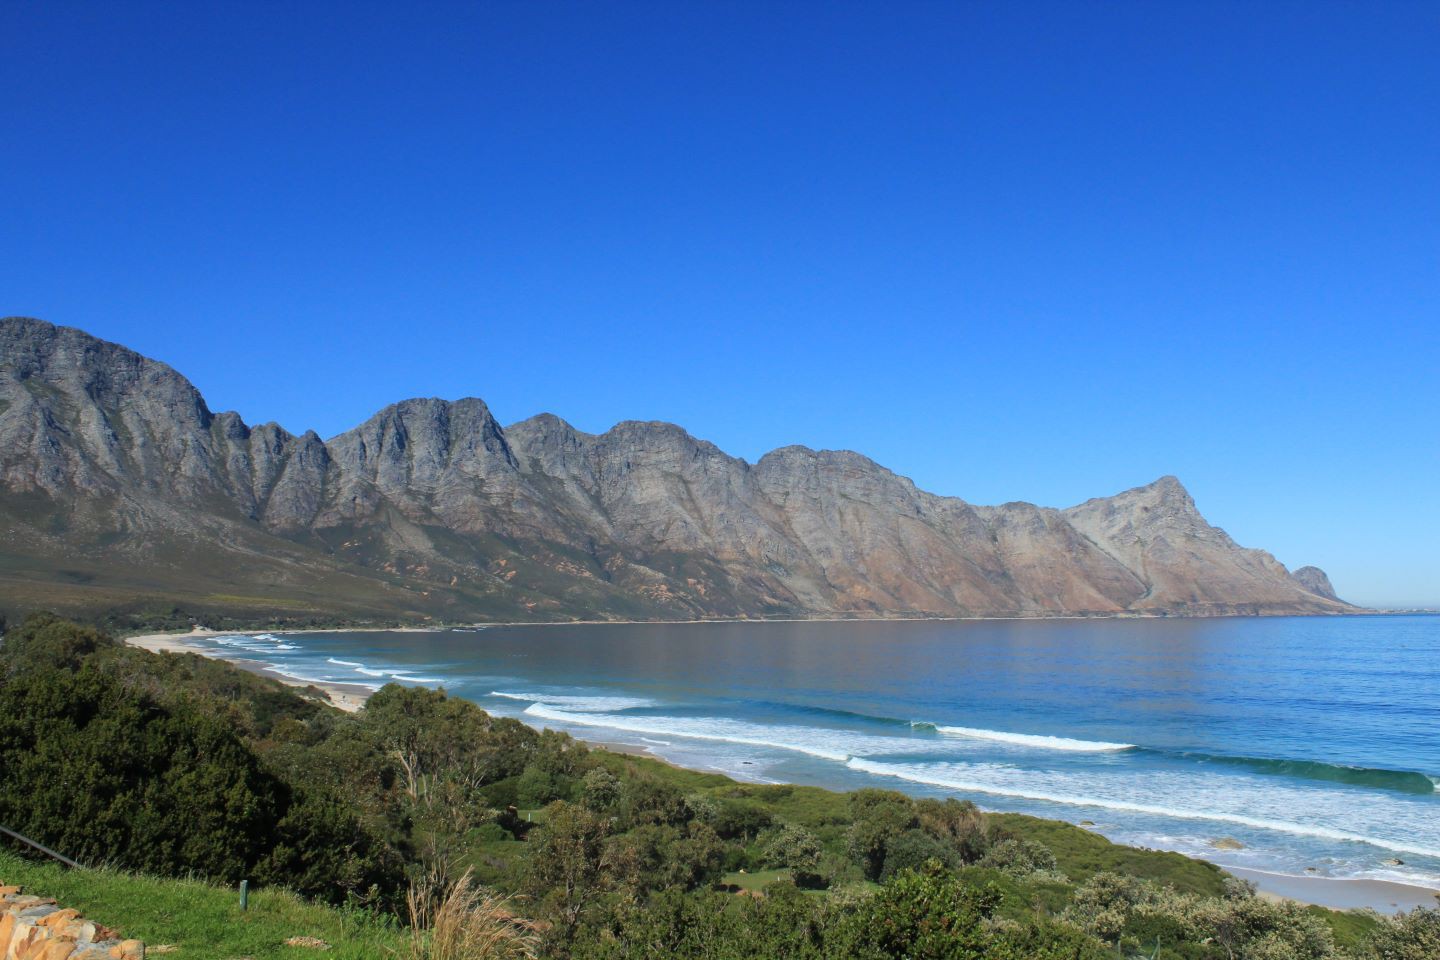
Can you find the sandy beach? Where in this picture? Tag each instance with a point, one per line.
(1384, 896)
(349, 697)
(1338, 893)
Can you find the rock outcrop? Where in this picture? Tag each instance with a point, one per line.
(1316, 581)
(117, 482)
(37, 927)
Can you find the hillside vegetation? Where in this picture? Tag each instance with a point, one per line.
(356, 827)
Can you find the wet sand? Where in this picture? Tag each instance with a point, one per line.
(1341, 893)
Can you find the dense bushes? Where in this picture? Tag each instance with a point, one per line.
(1128, 912)
(891, 833)
(920, 916)
(113, 777)
(1412, 936)
(99, 768)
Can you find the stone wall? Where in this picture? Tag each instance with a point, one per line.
(36, 928)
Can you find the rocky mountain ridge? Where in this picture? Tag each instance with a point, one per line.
(118, 484)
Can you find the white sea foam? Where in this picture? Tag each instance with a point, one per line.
(718, 729)
(343, 663)
(1224, 800)
(243, 642)
(370, 673)
(409, 679)
(286, 671)
(1034, 740)
(584, 704)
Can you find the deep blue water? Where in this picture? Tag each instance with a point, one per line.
(1315, 742)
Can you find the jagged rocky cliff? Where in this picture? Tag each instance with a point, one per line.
(118, 484)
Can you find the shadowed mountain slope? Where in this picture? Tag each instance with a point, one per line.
(120, 488)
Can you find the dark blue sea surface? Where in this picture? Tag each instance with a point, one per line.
(1314, 742)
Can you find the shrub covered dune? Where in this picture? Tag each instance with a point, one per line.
(423, 827)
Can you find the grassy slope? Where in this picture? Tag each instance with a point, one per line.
(204, 922)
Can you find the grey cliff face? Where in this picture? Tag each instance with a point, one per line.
(431, 507)
(1315, 580)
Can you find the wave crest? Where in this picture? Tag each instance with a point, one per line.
(1034, 740)
(720, 731)
(962, 784)
(1404, 781)
(576, 702)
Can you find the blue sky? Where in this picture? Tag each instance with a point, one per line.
(1014, 251)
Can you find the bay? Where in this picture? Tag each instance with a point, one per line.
(1312, 743)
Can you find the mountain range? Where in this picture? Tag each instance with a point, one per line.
(121, 491)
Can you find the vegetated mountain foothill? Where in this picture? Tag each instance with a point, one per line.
(178, 766)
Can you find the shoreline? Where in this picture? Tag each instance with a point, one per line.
(349, 697)
(1336, 893)
(1339, 893)
(202, 632)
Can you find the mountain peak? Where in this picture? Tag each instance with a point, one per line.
(1316, 581)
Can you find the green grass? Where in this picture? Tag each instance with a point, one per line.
(1352, 928)
(754, 880)
(205, 922)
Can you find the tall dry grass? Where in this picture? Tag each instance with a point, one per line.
(467, 923)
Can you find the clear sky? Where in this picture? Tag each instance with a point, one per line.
(1012, 250)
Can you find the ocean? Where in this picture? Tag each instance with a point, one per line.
(1299, 746)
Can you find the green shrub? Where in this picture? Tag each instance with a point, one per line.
(1410, 936)
(930, 916)
(538, 786)
(1019, 857)
(741, 820)
(915, 849)
(957, 823)
(878, 817)
(790, 847)
(1135, 912)
(113, 776)
(600, 790)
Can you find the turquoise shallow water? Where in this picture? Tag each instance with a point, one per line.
(1315, 742)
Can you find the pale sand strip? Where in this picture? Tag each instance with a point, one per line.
(1337, 893)
(349, 697)
(1341, 893)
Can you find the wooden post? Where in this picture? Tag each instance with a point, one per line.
(244, 894)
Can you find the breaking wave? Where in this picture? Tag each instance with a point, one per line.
(1010, 782)
(583, 704)
(710, 728)
(1034, 740)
